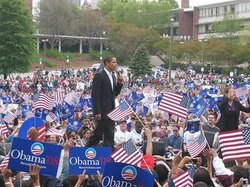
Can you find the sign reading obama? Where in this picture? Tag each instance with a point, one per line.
(125, 175)
(27, 152)
(89, 159)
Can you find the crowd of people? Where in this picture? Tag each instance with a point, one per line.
(162, 137)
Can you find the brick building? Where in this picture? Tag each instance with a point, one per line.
(196, 22)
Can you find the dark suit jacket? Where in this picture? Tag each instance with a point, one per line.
(103, 97)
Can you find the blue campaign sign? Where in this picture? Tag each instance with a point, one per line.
(31, 122)
(73, 125)
(89, 159)
(26, 152)
(120, 174)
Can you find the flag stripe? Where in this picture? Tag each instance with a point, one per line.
(128, 154)
(59, 97)
(9, 117)
(5, 162)
(233, 145)
(45, 102)
(171, 103)
(197, 147)
(120, 112)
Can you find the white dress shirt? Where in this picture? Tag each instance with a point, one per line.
(110, 77)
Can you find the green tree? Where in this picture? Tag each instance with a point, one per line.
(243, 50)
(228, 31)
(214, 51)
(17, 44)
(56, 17)
(124, 39)
(144, 14)
(92, 24)
(140, 63)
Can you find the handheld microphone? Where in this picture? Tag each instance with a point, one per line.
(119, 77)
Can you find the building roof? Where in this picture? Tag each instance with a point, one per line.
(218, 3)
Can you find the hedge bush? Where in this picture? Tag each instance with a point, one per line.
(49, 64)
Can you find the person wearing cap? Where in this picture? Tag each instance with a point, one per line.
(122, 135)
(192, 132)
(105, 88)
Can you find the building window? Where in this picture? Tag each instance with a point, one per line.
(248, 6)
(217, 11)
(221, 11)
(201, 29)
(232, 8)
(225, 9)
(202, 13)
(208, 28)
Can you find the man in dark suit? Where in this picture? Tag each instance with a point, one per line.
(105, 88)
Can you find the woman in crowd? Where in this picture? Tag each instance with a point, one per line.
(230, 109)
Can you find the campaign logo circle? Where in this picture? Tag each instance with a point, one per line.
(129, 173)
(90, 153)
(75, 123)
(37, 148)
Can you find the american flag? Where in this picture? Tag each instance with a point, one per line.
(36, 97)
(41, 133)
(9, 117)
(120, 112)
(25, 97)
(185, 102)
(235, 144)
(5, 162)
(242, 91)
(58, 97)
(128, 154)
(72, 98)
(4, 130)
(197, 146)
(45, 102)
(175, 104)
(54, 131)
(147, 89)
(185, 179)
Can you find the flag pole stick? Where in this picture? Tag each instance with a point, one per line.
(135, 114)
(202, 132)
(139, 119)
(4, 141)
(149, 170)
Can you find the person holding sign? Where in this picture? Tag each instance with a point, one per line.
(105, 88)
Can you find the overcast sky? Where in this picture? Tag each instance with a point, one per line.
(202, 2)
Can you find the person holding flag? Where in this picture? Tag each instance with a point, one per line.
(105, 88)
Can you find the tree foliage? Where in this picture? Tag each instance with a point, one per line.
(227, 28)
(55, 17)
(17, 44)
(145, 14)
(92, 24)
(228, 31)
(125, 39)
(140, 63)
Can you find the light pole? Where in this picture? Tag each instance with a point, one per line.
(202, 55)
(101, 46)
(170, 49)
(44, 44)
